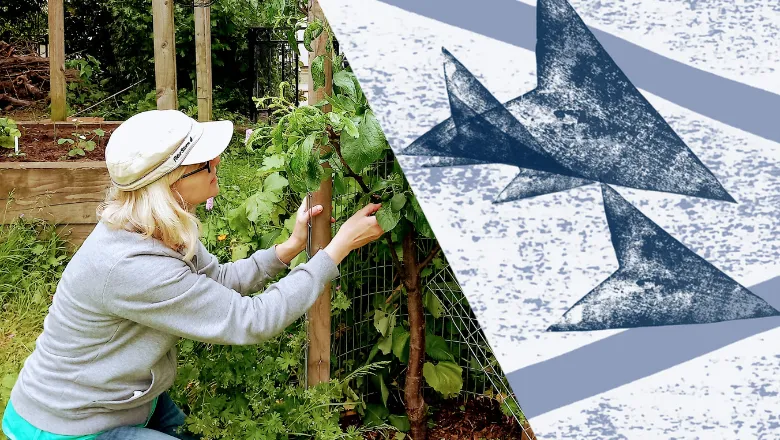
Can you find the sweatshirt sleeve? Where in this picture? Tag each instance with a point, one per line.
(245, 276)
(163, 293)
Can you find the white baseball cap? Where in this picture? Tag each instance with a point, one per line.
(153, 143)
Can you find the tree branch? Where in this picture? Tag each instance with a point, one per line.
(429, 258)
(396, 260)
(337, 143)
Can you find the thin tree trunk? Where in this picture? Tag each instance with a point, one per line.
(415, 405)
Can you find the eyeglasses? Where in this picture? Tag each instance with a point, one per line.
(204, 167)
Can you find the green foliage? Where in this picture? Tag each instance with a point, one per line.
(237, 392)
(32, 258)
(81, 143)
(445, 377)
(8, 131)
(90, 88)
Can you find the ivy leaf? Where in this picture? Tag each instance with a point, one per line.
(436, 348)
(274, 183)
(100, 132)
(367, 147)
(76, 152)
(433, 304)
(397, 202)
(401, 344)
(343, 80)
(89, 145)
(444, 377)
(318, 72)
(387, 218)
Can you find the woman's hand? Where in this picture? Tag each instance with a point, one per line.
(360, 229)
(297, 241)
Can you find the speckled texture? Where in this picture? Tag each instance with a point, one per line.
(523, 264)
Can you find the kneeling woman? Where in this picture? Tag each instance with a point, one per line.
(142, 280)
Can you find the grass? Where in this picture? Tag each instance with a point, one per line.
(32, 258)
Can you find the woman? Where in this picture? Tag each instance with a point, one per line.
(142, 280)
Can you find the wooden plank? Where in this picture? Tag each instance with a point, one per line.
(203, 62)
(318, 362)
(59, 110)
(75, 234)
(56, 192)
(164, 54)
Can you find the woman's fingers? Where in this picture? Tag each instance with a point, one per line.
(370, 208)
(313, 212)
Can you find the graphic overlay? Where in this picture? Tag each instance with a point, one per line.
(612, 221)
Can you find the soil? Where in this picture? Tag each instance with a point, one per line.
(39, 142)
(480, 419)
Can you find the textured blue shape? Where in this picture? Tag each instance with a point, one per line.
(532, 183)
(659, 282)
(585, 122)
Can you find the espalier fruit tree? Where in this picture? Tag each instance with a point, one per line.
(350, 140)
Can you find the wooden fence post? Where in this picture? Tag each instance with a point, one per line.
(59, 110)
(203, 61)
(318, 365)
(164, 54)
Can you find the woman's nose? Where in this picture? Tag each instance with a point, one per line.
(216, 161)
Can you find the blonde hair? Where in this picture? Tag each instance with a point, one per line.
(155, 210)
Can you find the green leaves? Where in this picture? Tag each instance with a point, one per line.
(313, 30)
(366, 148)
(401, 344)
(433, 304)
(274, 182)
(318, 71)
(387, 218)
(8, 132)
(345, 81)
(444, 377)
(436, 347)
(306, 173)
(397, 202)
(383, 322)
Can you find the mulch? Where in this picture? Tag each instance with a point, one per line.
(476, 419)
(39, 142)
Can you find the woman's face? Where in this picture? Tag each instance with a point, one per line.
(197, 188)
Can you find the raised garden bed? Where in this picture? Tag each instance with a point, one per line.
(50, 184)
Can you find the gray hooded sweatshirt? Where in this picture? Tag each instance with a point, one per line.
(108, 342)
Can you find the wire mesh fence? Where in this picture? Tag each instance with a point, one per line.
(371, 278)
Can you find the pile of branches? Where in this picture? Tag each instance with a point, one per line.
(24, 77)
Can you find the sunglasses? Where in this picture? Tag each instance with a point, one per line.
(206, 167)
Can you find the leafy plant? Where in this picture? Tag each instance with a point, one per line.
(349, 140)
(90, 88)
(8, 131)
(81, 143)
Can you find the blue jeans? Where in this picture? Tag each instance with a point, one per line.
(164, 424)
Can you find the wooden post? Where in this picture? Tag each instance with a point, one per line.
(318, 366)
(203, 61)
(164, 54)
(59, 109)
